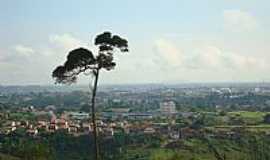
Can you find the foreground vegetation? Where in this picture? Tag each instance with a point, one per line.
(61, 146)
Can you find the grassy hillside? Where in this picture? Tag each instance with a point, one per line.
(7, 157)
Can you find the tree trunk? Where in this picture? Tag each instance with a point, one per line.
(93, 102)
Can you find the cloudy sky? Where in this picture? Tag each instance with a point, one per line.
(171, 41)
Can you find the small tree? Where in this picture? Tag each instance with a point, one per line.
(82, 60)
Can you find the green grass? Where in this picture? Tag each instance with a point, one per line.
(246, 114)
(7, 157)
(249, 117)
(193, 149)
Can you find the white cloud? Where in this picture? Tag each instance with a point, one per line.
(247, 63)
(207, 57)
(238, 20)
(2, 58)
(38, 60)
(213, 56)
(23, 50)
(65, 41)
(169, 52)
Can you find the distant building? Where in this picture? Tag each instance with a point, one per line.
(73, 128)
(120, 110)
(257, 90)
(86, 127)
(58, 124)
(139, 116)
(167, 107)
(78, 115)
(32, 132)
(149, 130)
(50, 108)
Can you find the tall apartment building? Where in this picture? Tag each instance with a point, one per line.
(167, 107)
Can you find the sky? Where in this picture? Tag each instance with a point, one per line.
(171, 41)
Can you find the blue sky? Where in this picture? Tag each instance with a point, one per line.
(171, 41)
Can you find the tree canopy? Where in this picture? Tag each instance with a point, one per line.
(82, 60)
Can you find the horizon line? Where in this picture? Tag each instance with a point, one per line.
(134, 84)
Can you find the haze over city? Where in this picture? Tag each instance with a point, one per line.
(170, 41)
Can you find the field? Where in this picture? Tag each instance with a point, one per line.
(194, 149)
